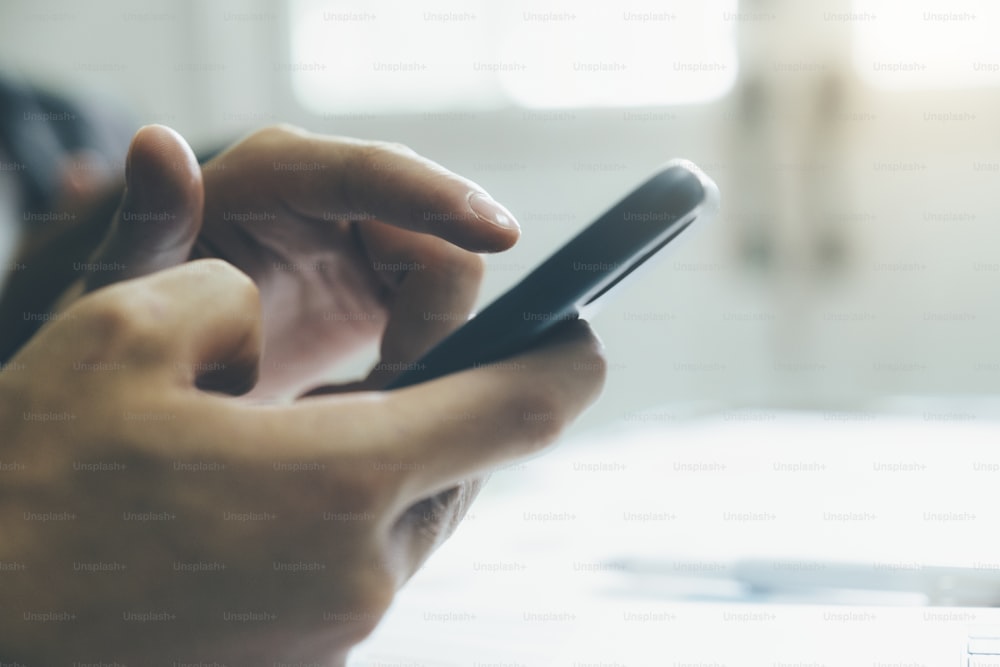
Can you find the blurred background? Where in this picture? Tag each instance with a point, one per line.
(856, 145)
(854, 270)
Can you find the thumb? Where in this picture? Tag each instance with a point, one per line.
(160, 214)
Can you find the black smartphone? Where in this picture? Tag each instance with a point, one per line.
(577, 277)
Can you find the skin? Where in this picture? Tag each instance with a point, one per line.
(111, 408)
(349, 241)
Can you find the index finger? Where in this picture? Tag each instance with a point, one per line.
(352, 179)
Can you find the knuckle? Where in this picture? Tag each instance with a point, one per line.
(227, 276)
(215, 266)
(120, 318)
(380, 158)
(374, 158)
(394, 147)
(105, 312)
(278, 131)
(364, 484)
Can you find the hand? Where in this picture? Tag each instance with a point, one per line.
(157, 523)
(349, 241)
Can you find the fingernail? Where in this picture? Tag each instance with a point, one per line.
(487, 210)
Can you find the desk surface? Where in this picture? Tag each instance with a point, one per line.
(526, 579)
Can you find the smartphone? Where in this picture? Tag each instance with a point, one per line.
(578, 277)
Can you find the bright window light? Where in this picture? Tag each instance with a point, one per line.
(926, 43)
(401, 56)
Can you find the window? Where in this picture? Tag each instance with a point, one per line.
(400, 56)
(925, 43)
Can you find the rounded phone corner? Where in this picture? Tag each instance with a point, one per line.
(712, 200)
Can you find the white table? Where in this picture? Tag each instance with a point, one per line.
(525, 581)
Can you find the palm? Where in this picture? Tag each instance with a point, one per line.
(320, 293)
